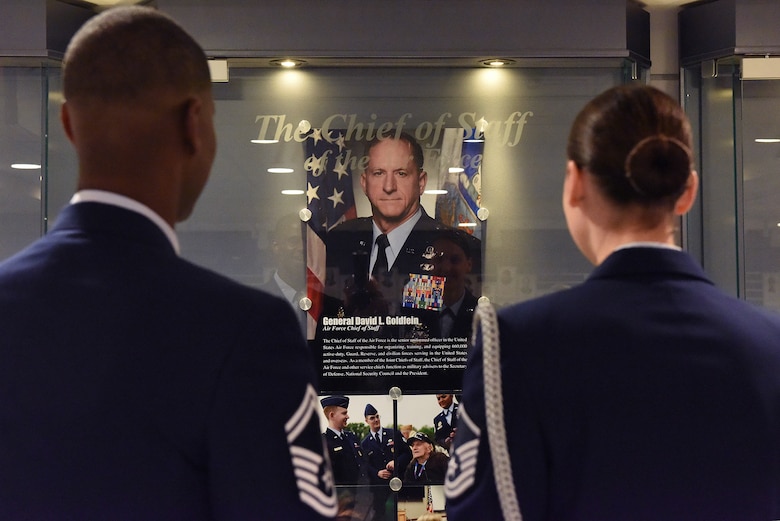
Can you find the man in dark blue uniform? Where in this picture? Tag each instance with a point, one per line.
(347, 458)
(446, 422)
(346, 455)
(133, 383)
(387, 455)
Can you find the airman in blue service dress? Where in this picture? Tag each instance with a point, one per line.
(346, 455)
(347, 460)
(567, 434)
(445, 424)
(382, 448)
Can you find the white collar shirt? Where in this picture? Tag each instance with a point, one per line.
(114, 199)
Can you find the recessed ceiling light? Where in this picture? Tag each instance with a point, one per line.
(292, 192)
(288, 63)
(497, 62)
(435, 192)
(264, 141)
(455, 170)
(25, 166)
(767, 140)
(467, 225)
(280, 170)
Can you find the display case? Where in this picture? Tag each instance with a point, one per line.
(732, 94)
(489, 101)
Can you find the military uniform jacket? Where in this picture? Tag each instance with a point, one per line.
(353, 240)
(346, 456)
(442, 427)
(644, 393)
(136, 385)
(356, 236)
(379, 455)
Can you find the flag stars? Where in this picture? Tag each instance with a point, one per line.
(316, 135)
(311, 192)
(336, 197)
(341, 167)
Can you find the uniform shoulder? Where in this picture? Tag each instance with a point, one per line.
(212, 284)
(352, 225)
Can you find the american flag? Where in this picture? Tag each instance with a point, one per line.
(331, 202)
(459, 206)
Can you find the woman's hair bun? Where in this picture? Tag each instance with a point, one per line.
(658, 167)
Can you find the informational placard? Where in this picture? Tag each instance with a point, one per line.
(394, 310)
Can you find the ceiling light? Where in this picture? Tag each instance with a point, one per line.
(435, 192)
(467, 225)
(497, 62)
(25, 166)
(455, 170)
(280, 170)
(767, 140)
(288, 63)
(264, 141)
(292, 192)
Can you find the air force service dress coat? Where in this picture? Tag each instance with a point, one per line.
(136, 385)
(378, 455)
(346, 456)
(443, 428)
(349, 247)
(644, 393)
(355, 236)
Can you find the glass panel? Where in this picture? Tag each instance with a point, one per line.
(712, 229)
(761, 189)
(691, 223)
(21, 92)
(62, 170)
(526, 248)
(246, 227)
(736, 218)
(249, 225)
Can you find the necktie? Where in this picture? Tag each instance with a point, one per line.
(380, 266)
(377, 438)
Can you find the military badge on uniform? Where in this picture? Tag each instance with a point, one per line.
(423, 292)
(462, 467)
(312, 471)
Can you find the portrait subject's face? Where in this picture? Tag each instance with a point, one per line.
(393, 183)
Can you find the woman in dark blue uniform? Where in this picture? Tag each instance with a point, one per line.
(644, 393)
